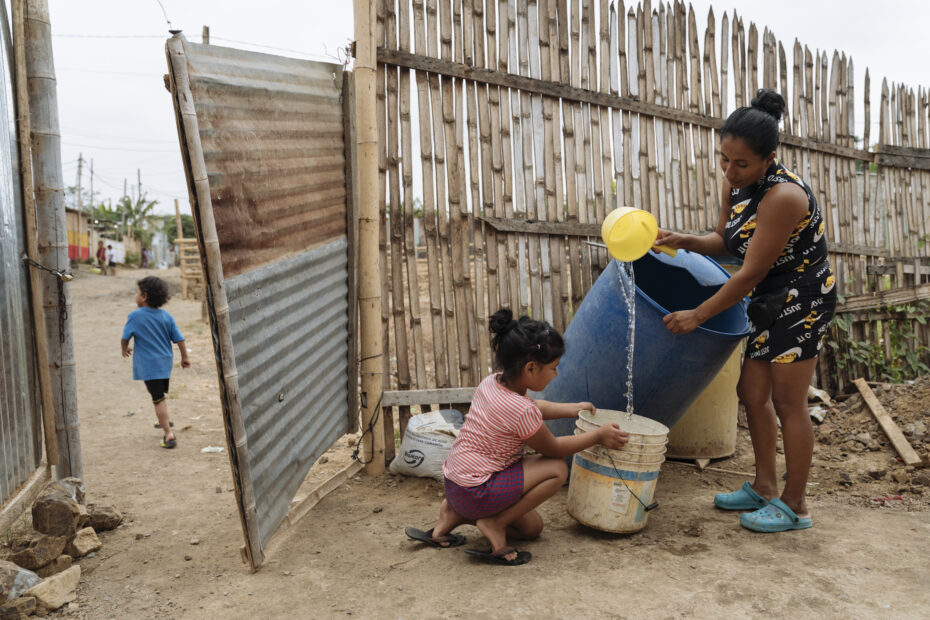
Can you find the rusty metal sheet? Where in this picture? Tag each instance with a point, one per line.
(272, 137)
(264, 147)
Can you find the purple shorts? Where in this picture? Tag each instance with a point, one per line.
(500, 491)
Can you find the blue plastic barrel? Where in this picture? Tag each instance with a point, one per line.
(669, 371)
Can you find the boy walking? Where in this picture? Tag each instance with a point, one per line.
(153, 330)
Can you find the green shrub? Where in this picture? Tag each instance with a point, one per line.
(133, 258)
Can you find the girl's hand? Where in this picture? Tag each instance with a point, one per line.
(127, 351)
(610, 436)
(583, 406)
(185, 362)
(683, 321)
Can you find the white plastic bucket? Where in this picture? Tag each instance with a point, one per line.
(609, 489)
(640, 429)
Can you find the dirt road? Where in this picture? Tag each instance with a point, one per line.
(177, 555)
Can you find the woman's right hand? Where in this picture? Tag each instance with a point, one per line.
(610, 436)
(670, 239)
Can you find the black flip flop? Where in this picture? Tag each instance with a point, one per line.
(454, 540)
(522, 556)
(168, 443)
(158, 424)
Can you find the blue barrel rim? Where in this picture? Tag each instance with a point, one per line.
(664, 312)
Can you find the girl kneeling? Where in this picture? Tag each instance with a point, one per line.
(489, 482)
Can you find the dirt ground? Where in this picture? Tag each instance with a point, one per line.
(177, 554)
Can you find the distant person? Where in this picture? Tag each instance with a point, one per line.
(145, 259)
(489, 482)
(153, 331)
(101, 258)
(111, 260)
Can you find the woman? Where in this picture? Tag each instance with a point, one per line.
(770, 219)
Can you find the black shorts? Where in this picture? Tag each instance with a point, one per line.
(157, 388)
(797, 333)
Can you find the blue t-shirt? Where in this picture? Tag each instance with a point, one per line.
(154, 331)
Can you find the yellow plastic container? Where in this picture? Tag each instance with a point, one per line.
(707, 430)
(629, 233)
(604, 484)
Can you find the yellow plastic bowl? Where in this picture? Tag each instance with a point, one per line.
(629, 233)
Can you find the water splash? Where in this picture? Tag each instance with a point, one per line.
(628, 286)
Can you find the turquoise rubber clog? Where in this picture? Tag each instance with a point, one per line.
(774, 517)
(744, 499)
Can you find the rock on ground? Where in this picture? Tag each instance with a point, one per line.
(57, 590)
(59, 564)
(18, 608)
(84, 542)
(57, 513)
(14, 580)
(74, 487)
(34, 550)
(103, 518)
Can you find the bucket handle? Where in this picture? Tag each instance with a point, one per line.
(651, 506)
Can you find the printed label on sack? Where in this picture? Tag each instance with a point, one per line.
(619, 498)
(414, 458)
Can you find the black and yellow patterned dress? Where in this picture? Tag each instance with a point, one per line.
(801, 274)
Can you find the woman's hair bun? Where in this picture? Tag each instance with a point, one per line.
(502, 321)
(769, 102)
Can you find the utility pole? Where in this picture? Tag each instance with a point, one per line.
(91, 182)
(80, 207)
(139, 187)
(205, 36)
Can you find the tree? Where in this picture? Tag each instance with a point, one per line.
(171, 227)
(136, 213)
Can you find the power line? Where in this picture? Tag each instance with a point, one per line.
(110, 36)
(70, 131)
(116, 148)
(132, 73)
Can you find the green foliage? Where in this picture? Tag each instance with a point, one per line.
(171, 227)
(133, 258)
(137, 213)
(894, 352)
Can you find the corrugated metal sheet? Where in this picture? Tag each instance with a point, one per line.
(270, 140)
(289, 323)
(20, 442)
(272, 136)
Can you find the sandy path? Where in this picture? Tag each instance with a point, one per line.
(347, 559)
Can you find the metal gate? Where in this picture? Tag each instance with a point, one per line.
(263, 139)
(20, 421)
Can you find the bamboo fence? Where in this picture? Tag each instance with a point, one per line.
(533, 118)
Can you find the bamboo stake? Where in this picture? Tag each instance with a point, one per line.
(724, 63)
(368, 264)
(29, 207)
(413, 285)
(51, 227)
(752, 51)
(567, 43)
(387, 412)
(532, 134)
(512, 299)
(430, 229)
(554, 248)
(395, 216)
(204, 222)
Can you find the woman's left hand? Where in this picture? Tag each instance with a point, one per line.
(683, 321)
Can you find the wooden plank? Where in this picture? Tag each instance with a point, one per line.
(301, 508)
(580, 95)
(23, 498)
(393, 398)
(542, 227)
(893, 297)
(908, 455)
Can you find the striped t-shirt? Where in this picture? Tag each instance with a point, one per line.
(491, 440)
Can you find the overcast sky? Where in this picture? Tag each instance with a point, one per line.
(114, 109)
